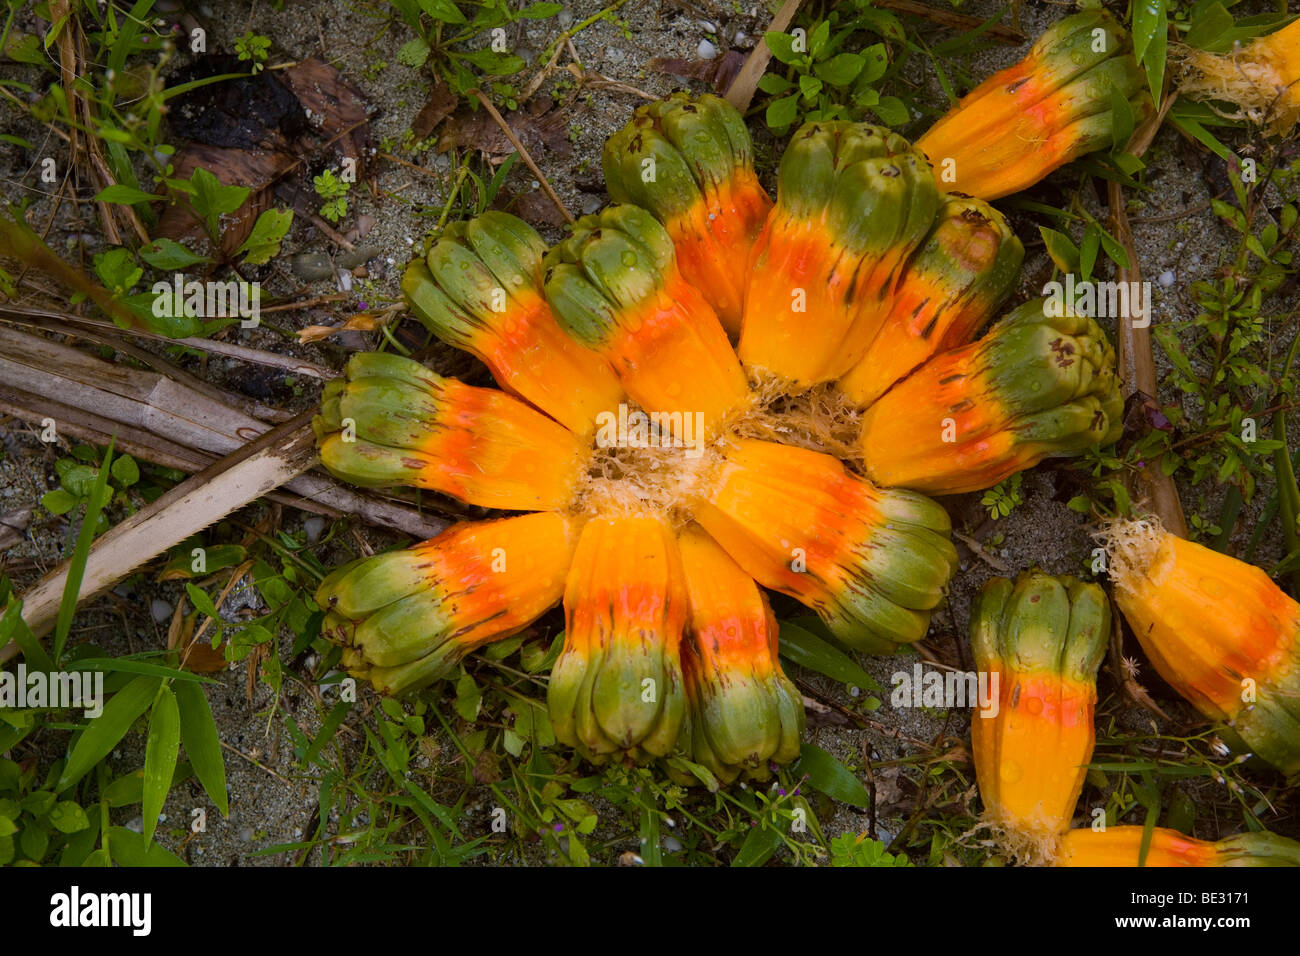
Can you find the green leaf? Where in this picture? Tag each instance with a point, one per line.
(1088, 250)
(202, 603)
(127, 195)
(1121, 120)
(170, 256)
(875, 62)
(131, 849)
(268, 232)
(774, 84)
(80, 554)
(468, 697)
(212, 200)
(126, 471)
(160, 751)
(118, 270)
(809, 86)
(58, 502)
(104, 732)
(493, 63)
(7, 826)
(1061, 248)
(68, 817)
(782, 47)
(892, 111)
(202, 744)
(413, 53)
(841, 69)
(443, 10)
(758, 847)
(781, 113)
(808, 650)
(1148, 20)
(831, 777)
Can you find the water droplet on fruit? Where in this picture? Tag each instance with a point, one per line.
(629, 258)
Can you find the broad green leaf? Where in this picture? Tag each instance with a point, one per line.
(202, 744)
(808, 650)
(443, 10)
(126, 471)
(758, 847)
(1061, 248)
(831, 777)
(892, 111)
(68, 817)
(781, 113)
(130, 849)
(58, 501)
(169, 255)
(160, 751)
(268, 232)
(104, 732)
(841, 69)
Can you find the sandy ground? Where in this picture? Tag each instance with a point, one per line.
(271, 801)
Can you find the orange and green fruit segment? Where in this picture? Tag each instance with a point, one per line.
(480, 289)
(1036, 386)
(690, 162)
(406, 618)
(1122, 846)
(745, 714)
(1218, 630)
(853, 201)
(614, 286)
(948, 290)
(1052, 107)
(872, 562)
(390, 421)
(1043, 637)
(616, 689)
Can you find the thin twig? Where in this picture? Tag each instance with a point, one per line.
(523, 153)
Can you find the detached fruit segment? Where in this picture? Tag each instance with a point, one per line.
(872, 563)
(744, 712)
(480, 290)
(1034, 387)
(1262, 80)
(1122, 846)
(1218, 630)
(614, 285)
(1050, 108)
(390, 421)
(690, 162)
(853, 201)
(948, 290)
(1044, 638)
(616, 689)
(406, 618)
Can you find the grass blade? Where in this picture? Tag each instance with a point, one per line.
(103, 733)
(202, 745)
(160, 751)
(80, 554)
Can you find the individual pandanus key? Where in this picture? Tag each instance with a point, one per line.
(480, 289)
(1033, 387)
(406, 618)
(616, 689)
(1218, 630)
(1261, 79)
(950, 287)
(852, 203)
(689, 161)
(872, 563)
(1122, 846)
(390, 421)
(1050, 108)
(1043, 638)
(615, 286)
(745, 714)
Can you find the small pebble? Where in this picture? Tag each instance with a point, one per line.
(312, 265)
(708, 26)
(312, 527)
(160, 609)
(591, 205)
(706, 50)
(855, 691)
(136, 824)
(672, 844)
(1167, 278)
(246, 834)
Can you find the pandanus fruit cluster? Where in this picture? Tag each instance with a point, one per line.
(672, 376)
